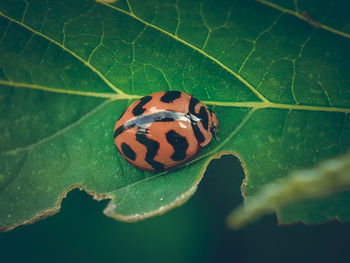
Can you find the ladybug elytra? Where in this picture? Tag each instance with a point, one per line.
(164, 130)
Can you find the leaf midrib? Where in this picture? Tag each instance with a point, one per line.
(125, 96)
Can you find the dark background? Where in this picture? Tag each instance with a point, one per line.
(195, 232)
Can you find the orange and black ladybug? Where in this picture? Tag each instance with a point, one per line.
(164, 130)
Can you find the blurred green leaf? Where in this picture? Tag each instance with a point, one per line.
(329, 177)
(68, 69)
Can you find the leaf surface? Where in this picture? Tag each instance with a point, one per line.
(68, 69)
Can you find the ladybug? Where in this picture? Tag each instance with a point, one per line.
(164, 130)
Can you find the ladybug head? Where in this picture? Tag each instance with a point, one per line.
(214, 128)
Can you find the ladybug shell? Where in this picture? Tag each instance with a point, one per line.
(164, 130)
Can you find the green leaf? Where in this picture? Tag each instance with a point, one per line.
(68, 69)
(329, 177)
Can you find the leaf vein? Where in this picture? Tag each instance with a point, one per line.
(97, 72)
(294, 64)
(304, 18)
(113, 96)
(257, 38)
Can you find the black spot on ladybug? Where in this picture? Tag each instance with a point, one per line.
(138, 110)
(199, 135)
(179, 144)
(193, 103)
(118, 131)
(170, 96)
(203, 115)
(128, 152)
(152, 149)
